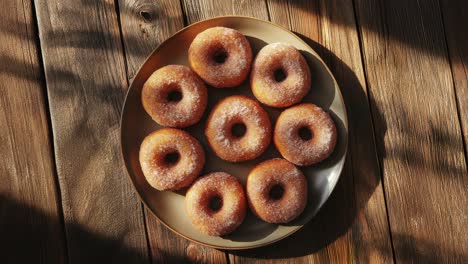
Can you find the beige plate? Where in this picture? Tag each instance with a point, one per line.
(169, 206)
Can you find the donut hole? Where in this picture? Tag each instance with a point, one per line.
(238, 130)
(276, 192)
(174, 96)
(215, 203)
(280, 75)
(220, 56)
(305, 133)
(172, 158)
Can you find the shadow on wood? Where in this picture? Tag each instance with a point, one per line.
(17, 232)
(374, 16)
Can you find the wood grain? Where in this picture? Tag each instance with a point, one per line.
(352, 227)
(144, 25)
(30, 214)
(202, 9)
(455, 19)
(86, 82)
(414, 112)
(155, 22)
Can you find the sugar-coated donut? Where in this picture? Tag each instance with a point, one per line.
(238, 129)
(305, 134)
(280, 75)
(174, 96)
(221, 57)
(171, 159)
(216, 204)
(276, 191)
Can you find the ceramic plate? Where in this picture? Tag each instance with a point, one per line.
(169, 207)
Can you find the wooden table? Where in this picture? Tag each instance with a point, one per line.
(65, 66)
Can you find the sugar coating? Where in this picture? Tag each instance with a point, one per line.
(230, 215)
(297, 150)
(234, 110)
(287, 92)
(188, 110)
(239, 56)
(277, 172)
(163, 176)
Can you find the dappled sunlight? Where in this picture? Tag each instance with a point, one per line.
(400, 99)
(372, 18)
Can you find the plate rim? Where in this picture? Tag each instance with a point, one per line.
(130, 86)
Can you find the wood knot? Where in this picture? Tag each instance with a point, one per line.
(146, 15)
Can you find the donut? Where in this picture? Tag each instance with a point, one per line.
(216, 204)
(305, 134)
(174, 96)
(238, 129)
(221, 57)
(276, 191)
(171, 159)
(280, 75)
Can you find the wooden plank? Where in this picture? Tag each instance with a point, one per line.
(455, 21)
(352, 227)
(202, 9)
(155, 22)
(86, 81)
(31, 227)
(414, 112)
